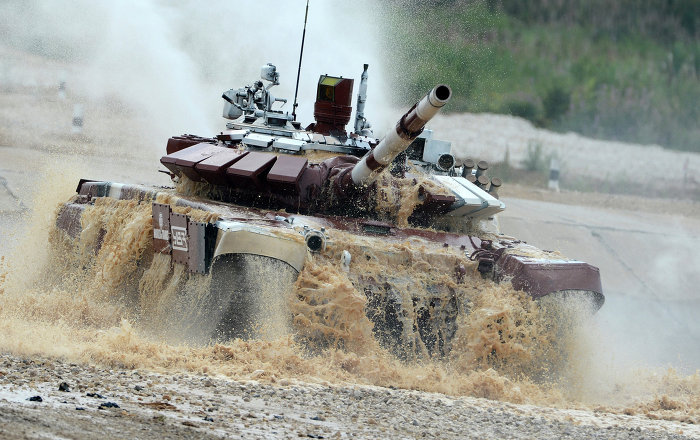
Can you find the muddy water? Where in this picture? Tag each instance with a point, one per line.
(122, 307)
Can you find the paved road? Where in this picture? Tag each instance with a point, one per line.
(650, 269)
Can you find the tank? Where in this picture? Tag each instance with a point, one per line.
(266, 197)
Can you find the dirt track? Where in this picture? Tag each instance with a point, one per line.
(177, 406)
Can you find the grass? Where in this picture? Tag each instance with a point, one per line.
(622, 85)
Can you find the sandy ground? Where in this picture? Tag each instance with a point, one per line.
(631, 239)
(488, 136)
(138, 404)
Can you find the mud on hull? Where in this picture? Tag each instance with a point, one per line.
(251, 253)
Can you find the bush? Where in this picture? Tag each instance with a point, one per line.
(556, 103)
(522, 109)
(534, 160)
(616, 69)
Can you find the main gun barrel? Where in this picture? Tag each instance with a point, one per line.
(407, 129)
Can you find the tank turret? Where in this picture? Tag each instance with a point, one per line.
(269, 168)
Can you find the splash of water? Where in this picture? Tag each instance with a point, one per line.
(118, 307)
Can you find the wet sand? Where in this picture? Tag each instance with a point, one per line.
(140, 404)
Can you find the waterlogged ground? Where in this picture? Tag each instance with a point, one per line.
(91, 321)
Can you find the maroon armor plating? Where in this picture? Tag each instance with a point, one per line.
(537, 277)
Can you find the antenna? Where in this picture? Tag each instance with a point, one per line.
(301, 53)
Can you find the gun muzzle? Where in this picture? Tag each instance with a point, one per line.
(407, 129)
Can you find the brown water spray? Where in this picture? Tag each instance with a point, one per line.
(110, 307)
